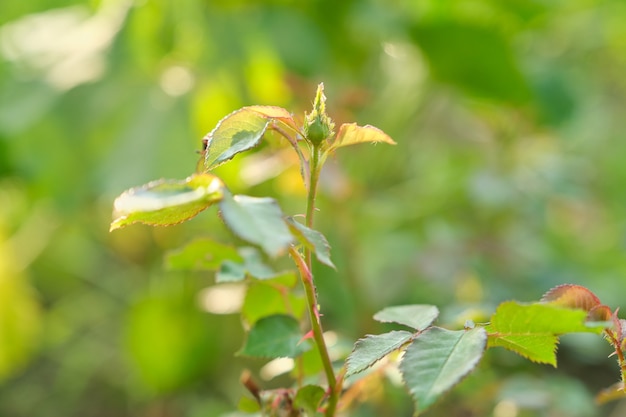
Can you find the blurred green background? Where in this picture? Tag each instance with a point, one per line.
(508, 179)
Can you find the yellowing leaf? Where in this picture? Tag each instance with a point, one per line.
(352, 134)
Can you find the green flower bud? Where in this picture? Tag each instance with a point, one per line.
(317, 125)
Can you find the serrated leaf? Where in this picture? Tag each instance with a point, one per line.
(438, 359)
(311, 239)
(352, 134)
(258, 221)
(275, 336)
(201, 254)
(167, 202)
(308, 399)
(276, 113)
(238, 132)
(532, 330)
(372, 348)
(416, 316)
(572, 296)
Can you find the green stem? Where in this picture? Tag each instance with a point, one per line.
(316, 325)
(305, 267)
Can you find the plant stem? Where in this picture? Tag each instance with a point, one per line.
(316, 325)
(305, 268)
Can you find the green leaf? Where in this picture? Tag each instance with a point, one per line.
(531, 330)
(258, 221)
(249, 262)
(308, 398)
(372, 348)
(238, 132)
(416, 316)
(312, 239)
(438, 359)
(201, 254)
(275, 336)
(167, 202)
(351, 134)
(265, 298)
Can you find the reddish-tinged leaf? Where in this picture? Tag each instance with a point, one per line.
(571, 296)
(599, 313)
(276, 113)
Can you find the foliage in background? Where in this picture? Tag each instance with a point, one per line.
(513, 189)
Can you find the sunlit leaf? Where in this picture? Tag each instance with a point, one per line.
(352, 134)
(167, 202)
(201, 254)
(313, 240)
(438, 359)
(571, 296)
(275, 337)
(276, 113)
(258, 221)
(238, 132)
(372, 348)
(308, 398)
(532, 330)
(416, 316)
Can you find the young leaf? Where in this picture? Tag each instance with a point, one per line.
(308, 398)
(352, 134)
(275, 336)
(571, 296)
(238, 132)
(416, 316)
(438, 359)
(531, 330)
(276, 113)
(201, 254)
(312, 239)
(167, 202)
(258, 221)
(372, 348)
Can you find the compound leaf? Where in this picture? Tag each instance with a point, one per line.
(167, 202)
(438, 359)
(372, 348)
(416, 316)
